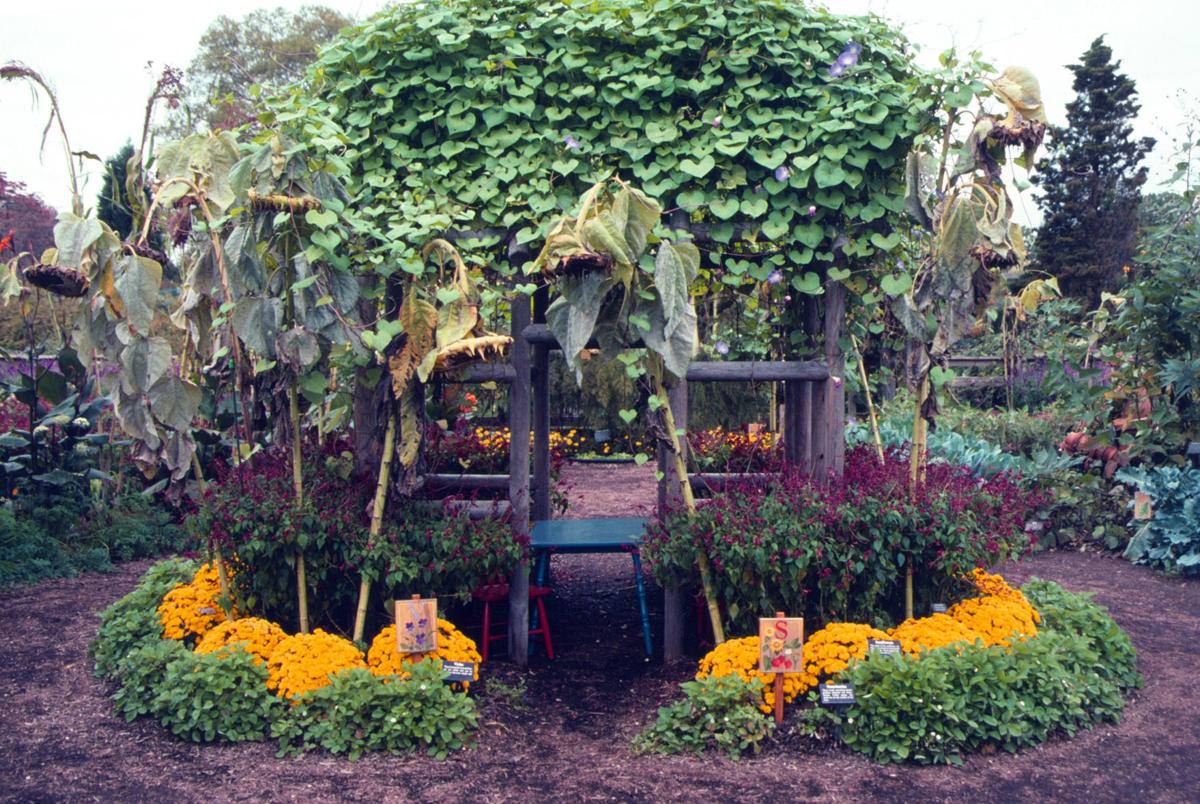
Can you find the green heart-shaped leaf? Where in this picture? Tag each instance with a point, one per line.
(770, 159)
(838, 274)
(321, 218)
(885, 242)
(754, 205)
(724, 208)
(894, 285)
(698, 168)
(627, 416)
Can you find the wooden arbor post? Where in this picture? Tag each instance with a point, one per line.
(518, 480)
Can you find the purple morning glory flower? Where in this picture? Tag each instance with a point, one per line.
(775, 277)
(836, 69)
(812, 210)
(847, 58)
(716, 122)
(782, 173)
(853, 47)
(900, 266)
(571, 142)
(722, 348)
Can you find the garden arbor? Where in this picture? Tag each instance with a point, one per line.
(775, 133)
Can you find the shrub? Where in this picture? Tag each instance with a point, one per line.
(132, 621)
(203, 697)
(249, 515)
(134, 526)
(42, 542)
(1170, 539)
(358, 711)
(840, 552)
(718, 712)
(934, 708)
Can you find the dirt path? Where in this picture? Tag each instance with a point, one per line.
(60, 740)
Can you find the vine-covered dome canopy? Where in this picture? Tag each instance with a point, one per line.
(766, 120)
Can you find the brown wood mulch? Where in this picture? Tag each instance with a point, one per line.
(569, 738)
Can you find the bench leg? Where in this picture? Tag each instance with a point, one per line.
(641, 588)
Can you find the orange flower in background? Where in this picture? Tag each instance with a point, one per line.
(189, 610)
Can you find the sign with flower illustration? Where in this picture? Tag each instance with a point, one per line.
(416, 625)
(779, 644)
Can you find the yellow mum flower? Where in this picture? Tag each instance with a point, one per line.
(453, 646)
(257, 636)
(306, 662)
(191, 609)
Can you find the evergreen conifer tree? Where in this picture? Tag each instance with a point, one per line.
(1091, 181)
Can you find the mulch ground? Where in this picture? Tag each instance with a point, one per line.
(567, 736)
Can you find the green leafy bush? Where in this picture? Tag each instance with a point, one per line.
(954, 700)
(717, 712)
(134, 526)
(1072, 613)
(1170, 539)
(361, 712)
(132, 622)
(840, 550)
(140, 672)
(205, 697)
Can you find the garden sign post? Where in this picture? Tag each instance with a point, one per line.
(780, 650)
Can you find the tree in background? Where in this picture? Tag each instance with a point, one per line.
(112, 206)
(269, 48)
(26, 217)
(1091, 181)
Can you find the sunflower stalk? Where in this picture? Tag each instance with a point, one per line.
(377, 509)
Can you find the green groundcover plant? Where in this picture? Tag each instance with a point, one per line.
(223, 696)
(951, 701)
(716, 713)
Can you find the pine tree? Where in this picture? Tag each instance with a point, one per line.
(1091, 181)
(112, 206)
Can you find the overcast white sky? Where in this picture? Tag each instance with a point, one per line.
(102, 78)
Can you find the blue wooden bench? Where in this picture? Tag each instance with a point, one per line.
(599, 535)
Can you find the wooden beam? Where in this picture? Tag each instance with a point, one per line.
(669, 498)
(541, 412)
(448, 483)
(973, 361)
(717, 370)
(481, 373)
(518, 485)
(477, 509)
(757, 371)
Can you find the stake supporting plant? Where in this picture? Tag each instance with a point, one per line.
(377, 509)
(689, 501)
(862, 373)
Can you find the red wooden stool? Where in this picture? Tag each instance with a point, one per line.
(497, 593)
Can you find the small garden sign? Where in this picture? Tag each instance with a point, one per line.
(781, 641)
(416, 625)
